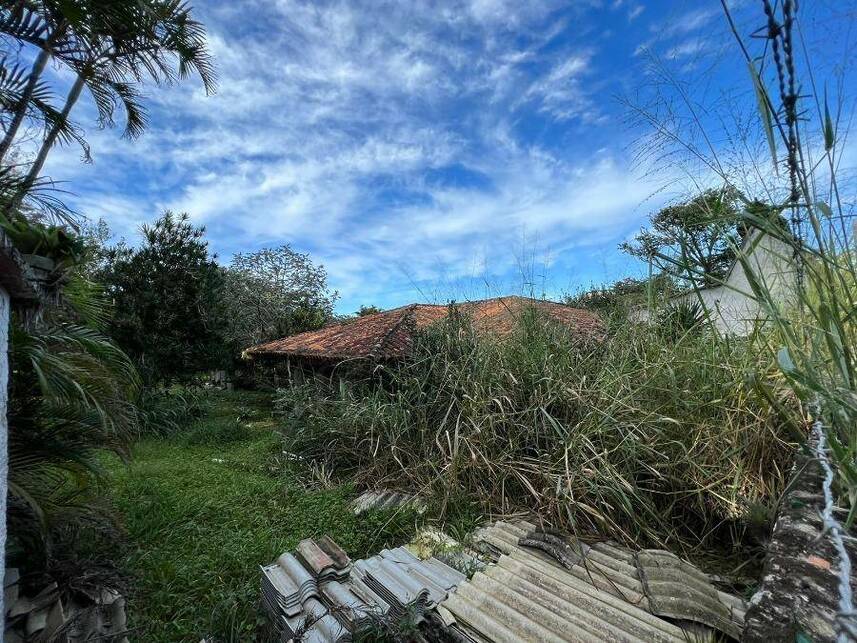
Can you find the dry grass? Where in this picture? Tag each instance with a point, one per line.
(643, 438)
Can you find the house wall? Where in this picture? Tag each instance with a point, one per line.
(731, 306)
(5, 308)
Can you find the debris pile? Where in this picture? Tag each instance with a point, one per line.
(527, 584)
(47, 616)
(544, 586)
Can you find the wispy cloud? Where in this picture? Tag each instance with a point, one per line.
(403, 144)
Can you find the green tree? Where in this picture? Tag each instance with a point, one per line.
(167, 296)
(368, 310)
(273, 293)
(690, 241)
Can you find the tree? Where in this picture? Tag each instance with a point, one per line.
(167, 300)
(273, 293)
(110, 47)
(690, 241)
(621, 296)
(368, 310)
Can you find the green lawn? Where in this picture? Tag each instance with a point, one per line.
(203, 509)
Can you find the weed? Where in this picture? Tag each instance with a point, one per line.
(646, 438)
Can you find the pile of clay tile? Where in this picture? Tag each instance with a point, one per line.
(47, 615)
(315, 594)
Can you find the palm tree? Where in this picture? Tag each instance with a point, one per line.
(71, 398)
(110, 45)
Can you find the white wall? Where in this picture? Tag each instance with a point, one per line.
(4, 453)
(731, 306)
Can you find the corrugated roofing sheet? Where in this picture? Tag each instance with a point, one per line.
(611, 593)
(389, 334)
(385, 499)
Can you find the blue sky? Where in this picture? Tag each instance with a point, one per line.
(425, 150)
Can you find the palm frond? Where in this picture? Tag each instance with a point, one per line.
(23, 22)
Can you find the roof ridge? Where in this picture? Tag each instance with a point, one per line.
(407, 311)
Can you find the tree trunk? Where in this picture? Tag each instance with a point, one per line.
(21, 109)
(50, 139)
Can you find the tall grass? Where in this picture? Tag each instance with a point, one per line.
(799, 176)
(645, 437)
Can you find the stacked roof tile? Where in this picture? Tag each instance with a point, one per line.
(317, 595)
(389, 335)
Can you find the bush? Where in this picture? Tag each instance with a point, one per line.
(223, 430)
(680, 318)
(644, 438)
(166, 411)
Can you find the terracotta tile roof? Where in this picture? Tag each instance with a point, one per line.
(390, 334)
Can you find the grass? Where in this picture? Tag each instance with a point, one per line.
(205, 507)
(649, 438)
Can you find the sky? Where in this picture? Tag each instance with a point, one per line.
(427, 151)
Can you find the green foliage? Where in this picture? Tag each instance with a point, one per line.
(693, 240)
(71, 397)
(55, 242)
(678, 319)
(368, 310)
(166, 411)
(219, 431)
(201, 518)
(109, 48)
(273, 293)
(621, 297)
(641, 438)
(167, 296)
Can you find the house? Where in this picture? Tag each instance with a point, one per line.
(389, 335)
(731, 306)
(20, 289)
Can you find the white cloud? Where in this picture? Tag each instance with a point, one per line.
(383, 140)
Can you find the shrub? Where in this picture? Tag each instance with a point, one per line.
(643, 438)
(680, 318)
(165, 411)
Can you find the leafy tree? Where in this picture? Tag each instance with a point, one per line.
(273, 293)
(690, 241)
(167, 300)
(110, 47)
(621, 296)
(368, 310)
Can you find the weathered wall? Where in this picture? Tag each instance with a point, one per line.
(798, 597)
(5, 307)
(732, 308)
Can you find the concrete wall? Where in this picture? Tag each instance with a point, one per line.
(5, 307)
(797, 599)
(731, 306)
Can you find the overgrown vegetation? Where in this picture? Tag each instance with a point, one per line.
(655, 438)
(790, 161)
(71, 397)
